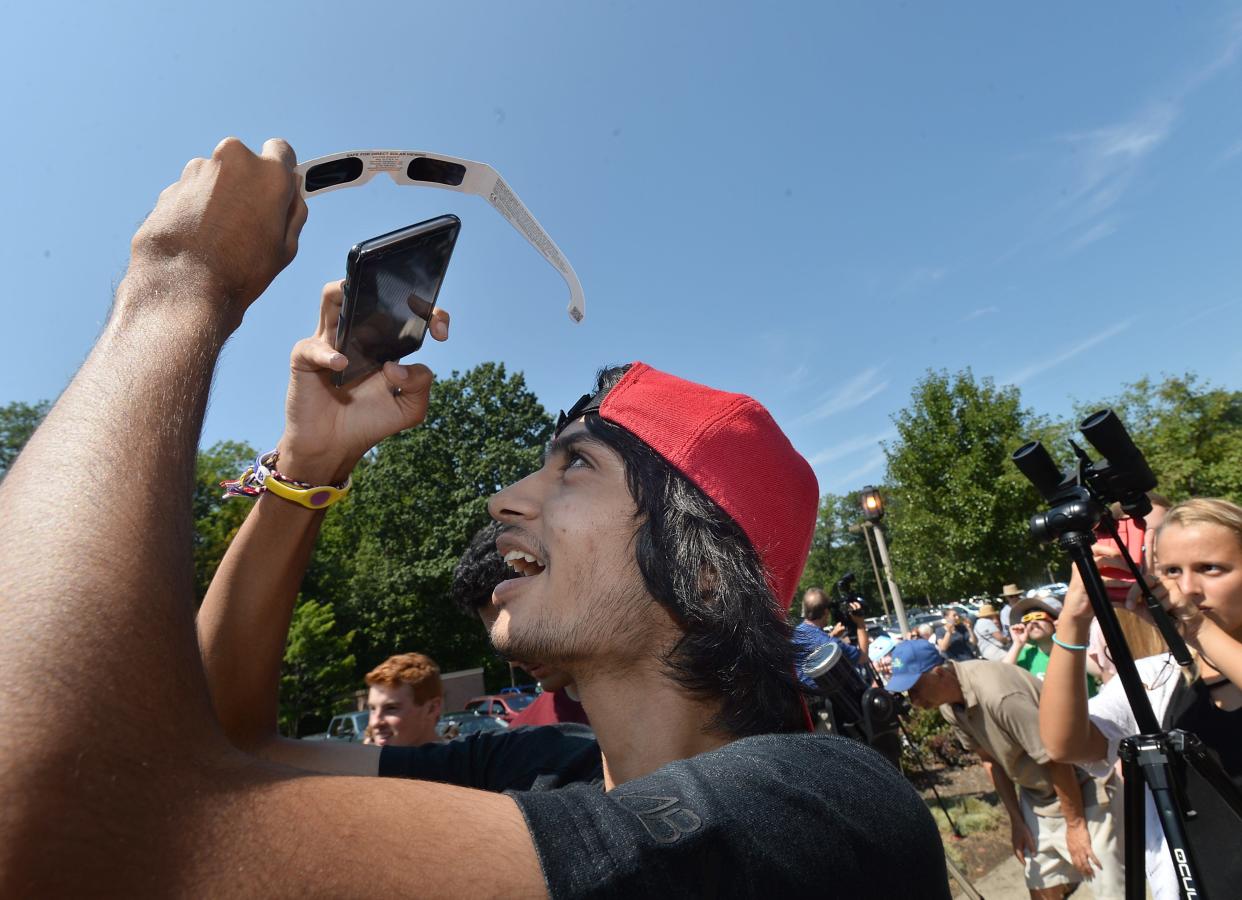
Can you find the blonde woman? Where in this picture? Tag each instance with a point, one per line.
(1198, 568)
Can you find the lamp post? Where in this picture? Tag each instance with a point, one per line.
(865, 529)
(873, 512)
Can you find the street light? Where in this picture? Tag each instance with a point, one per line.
(872, 504)
(873, 512)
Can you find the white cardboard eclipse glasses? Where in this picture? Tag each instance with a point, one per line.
(355, 167)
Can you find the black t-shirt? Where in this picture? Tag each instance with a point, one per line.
(1220, 730)
(762, 816)
(535, 758)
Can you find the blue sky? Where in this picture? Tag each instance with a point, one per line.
(811, 203)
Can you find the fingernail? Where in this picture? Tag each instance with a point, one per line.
(402, 373)
(337, 361)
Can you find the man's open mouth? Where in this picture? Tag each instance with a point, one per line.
(523, 563)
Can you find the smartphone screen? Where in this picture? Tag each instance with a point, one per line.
(390, 291)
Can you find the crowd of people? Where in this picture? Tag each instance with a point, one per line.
(644, 572)
(1037, 697)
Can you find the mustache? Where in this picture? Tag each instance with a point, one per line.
(526, 538)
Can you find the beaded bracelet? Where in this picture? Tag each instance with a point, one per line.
(1060, 643)
(263, 477)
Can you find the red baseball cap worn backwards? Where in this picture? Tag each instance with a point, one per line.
(731, 448)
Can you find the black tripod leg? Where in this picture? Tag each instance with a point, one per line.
(1135, 834)
(1159, 776)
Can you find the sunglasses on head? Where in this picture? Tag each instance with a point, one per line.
(355, 167)
(1035, 615)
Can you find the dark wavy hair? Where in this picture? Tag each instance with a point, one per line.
(478, 571)
(736, 646)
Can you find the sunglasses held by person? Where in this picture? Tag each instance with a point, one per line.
(418, 167)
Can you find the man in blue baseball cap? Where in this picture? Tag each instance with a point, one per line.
(910, 660)
(1062, 821)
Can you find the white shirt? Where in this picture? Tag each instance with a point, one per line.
(1110, 712)
(988, 636)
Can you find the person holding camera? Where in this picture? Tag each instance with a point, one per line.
(811, 632)
(1197, 556)
(658, 558)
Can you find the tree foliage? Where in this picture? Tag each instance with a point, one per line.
(216, 519)
(18, 422)
(957, 507)
(1191, 434)
(318, 667)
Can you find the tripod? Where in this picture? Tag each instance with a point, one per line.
(1166, 762)
(1154, 757)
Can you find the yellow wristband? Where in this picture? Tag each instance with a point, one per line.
(313, 497)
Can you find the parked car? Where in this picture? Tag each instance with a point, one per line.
(504, 706)
(470, 722)
(350, 726)
(521, 689)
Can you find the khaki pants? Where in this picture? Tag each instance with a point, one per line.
(1051, 865)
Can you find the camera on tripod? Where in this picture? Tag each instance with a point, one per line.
(1166, 762)
(1079, 497)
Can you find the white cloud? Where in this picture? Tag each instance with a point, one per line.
(982, 311)
(1106, 161)
(923, 276)
(1024, 375)
(852, 480)
(850, 447)
(854, 393)
(1096, 232)
(1234, 150)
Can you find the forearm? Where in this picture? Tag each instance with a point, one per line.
(1012, 656)
(1005, 789)
(942, 644)
(80, 567)
(244, 620)
(1069, 792)
(1064, 724)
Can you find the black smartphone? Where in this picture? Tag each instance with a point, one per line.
(391, 284)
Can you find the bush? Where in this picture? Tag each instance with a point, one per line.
(933, 742)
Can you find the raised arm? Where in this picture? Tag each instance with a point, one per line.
(244, 620)
(146, 796)
(1064, 726)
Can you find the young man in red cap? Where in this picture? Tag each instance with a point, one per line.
(682, 513)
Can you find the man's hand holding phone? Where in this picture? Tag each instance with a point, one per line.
(329, 428)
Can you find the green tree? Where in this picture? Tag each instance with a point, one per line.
(388, 553)
(1191, 434)
(17, 423)
(216, 519)
(958, 508)
(318, 667)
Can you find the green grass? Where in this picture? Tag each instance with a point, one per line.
(971, 814)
